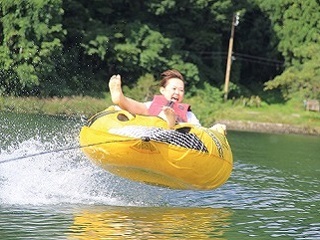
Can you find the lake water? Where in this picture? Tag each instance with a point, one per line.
(274, 190)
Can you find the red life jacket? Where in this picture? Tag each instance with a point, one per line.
(180, 109)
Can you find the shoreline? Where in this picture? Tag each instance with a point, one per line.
(297, 122)
(264, 127)
(241, 125)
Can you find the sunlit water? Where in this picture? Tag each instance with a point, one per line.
(274, 190)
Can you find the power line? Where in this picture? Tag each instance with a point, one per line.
(243, 55)
(260, 62)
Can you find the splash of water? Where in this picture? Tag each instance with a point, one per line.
(49, 179)
(65, 177)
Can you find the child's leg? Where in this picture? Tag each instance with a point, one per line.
(169, 115)
(122, 101)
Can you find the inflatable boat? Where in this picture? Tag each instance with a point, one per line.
(142, 148)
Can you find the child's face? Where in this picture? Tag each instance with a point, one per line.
(174, 90)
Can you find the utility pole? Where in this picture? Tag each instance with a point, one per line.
(235, 22)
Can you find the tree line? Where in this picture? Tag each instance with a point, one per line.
(70, 47)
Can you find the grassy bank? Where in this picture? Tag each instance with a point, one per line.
(77, 105)
(291, 114)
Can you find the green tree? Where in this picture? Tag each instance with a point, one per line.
(302, 80)
(31, 39)
(297, 27)
(54, 47)
(135, 38)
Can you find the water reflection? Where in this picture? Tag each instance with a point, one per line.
(150, 223)
(274, 191)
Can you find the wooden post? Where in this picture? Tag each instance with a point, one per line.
(229, 58)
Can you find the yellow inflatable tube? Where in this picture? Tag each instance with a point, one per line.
(143, 149)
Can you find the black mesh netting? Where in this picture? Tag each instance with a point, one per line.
(175, 137)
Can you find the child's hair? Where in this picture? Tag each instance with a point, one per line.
(166, 75)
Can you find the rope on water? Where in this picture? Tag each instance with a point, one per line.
(60, 150)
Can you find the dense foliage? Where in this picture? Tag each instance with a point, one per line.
(59, 48)
(296, 23)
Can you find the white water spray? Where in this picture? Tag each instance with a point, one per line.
(65, 177)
